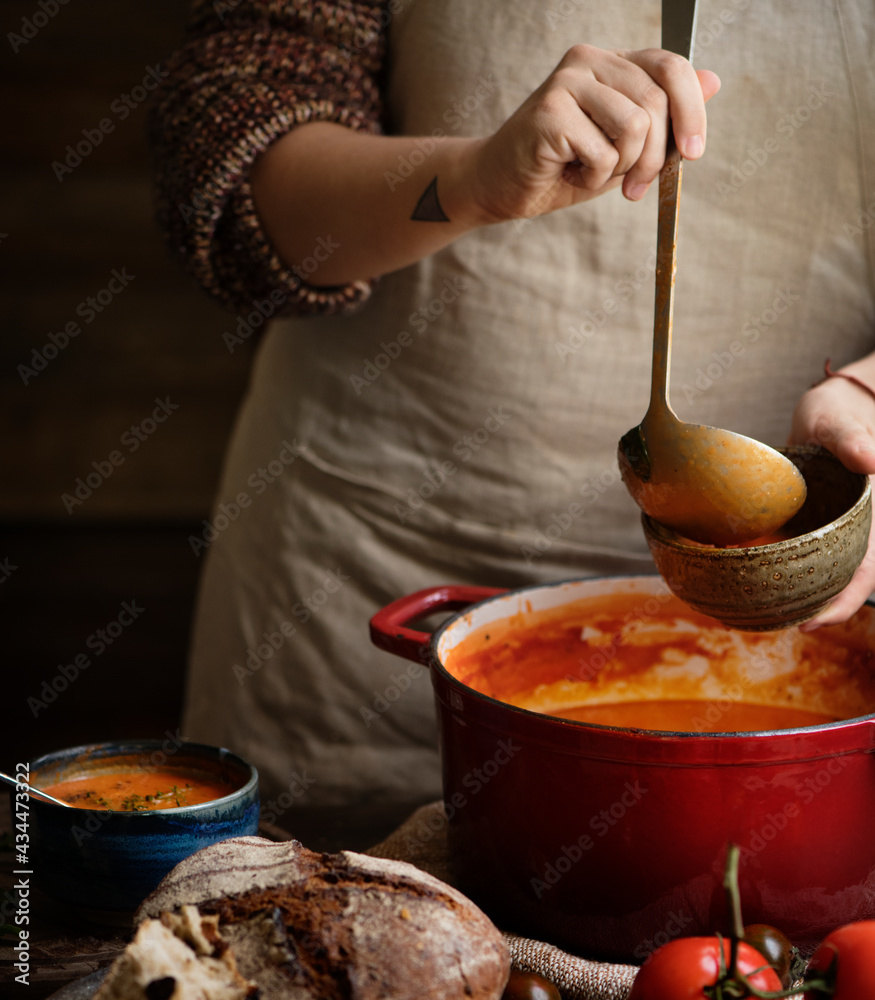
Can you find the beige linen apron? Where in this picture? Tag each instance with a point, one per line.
(463, 425)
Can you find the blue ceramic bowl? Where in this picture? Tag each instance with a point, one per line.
(106, 862)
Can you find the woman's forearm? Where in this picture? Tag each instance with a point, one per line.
(340, 205)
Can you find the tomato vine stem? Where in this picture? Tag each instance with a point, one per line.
(730, 884)
(731, 984)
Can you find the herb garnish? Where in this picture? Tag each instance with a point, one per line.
(137, 803)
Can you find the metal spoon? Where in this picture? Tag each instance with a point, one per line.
(709, 485)
(34, 791)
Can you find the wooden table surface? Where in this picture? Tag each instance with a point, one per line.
(65, 946)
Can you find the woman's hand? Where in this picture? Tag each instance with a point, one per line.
(840, 416)
(600, 119)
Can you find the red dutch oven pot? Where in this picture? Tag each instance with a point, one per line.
(611, 841)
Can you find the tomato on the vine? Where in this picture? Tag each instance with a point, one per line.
(683, 969)
(845, 960)
(773, 945)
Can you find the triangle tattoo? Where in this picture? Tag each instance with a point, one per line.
(428, 208)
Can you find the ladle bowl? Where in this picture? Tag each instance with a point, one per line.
(710, 485)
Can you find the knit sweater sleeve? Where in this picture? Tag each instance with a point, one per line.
(247, 72)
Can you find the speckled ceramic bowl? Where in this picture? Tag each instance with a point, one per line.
(106, 862)
(783, 583)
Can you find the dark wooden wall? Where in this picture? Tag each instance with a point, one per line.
(66, 569)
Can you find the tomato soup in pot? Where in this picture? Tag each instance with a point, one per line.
(656, 664)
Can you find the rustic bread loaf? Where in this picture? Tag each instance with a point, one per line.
(304, 925)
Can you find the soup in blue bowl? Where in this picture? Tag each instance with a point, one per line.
(137, 810)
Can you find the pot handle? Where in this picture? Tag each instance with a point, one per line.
(389, 629)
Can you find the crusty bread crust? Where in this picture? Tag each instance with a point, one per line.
(336, 926)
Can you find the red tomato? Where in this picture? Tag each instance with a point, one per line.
(681, 969)
(852, 949)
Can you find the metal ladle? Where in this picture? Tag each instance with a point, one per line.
(36, 792)
(712, 486)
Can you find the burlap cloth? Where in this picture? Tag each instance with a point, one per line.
(576, 978)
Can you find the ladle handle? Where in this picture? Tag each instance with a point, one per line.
(666, 269)
(678, 36)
